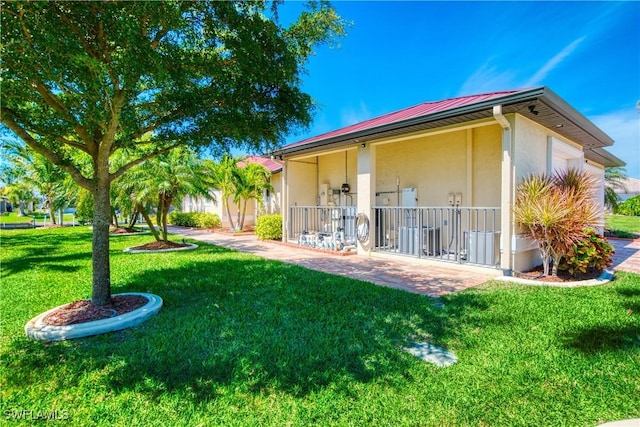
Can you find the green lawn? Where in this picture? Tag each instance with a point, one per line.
(244, 341)
(13, 218)
(623, 226)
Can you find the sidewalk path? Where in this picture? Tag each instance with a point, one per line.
(627, 256)
(418, 277)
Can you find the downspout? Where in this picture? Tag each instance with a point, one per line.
(506, 260)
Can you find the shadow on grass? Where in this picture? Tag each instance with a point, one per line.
(249, 323)
(605, 339)
(243, 323)
(42, 250)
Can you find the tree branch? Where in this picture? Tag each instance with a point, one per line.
(136, 162)
(9, 120)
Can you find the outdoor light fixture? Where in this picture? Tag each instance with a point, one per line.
(346, 188)
(532, 110)
(363, 145)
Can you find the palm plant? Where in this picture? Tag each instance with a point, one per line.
(555, 211)
(163, 181)
(614, 179)
(251, 180)
(223, 175)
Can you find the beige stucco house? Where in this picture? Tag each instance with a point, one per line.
(436, 181)
(271, 201)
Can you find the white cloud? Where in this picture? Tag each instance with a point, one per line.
(350, 116)
(624, 127)
(542, 73)
(487, 78)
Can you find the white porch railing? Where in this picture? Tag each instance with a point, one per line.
(455, 234)
(325, 227)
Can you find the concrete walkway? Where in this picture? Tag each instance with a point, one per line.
(627, 256)
(417, 276)
(424, 277)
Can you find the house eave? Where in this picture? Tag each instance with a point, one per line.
(539, 104)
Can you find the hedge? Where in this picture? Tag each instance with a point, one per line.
(269, 227)
(195, 219)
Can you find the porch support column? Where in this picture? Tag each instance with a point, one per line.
(506, 218)
(285, 202)
(366, 191)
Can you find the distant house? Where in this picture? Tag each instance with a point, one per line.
(271, 199)
(437, 180)
(631, 189)
(5, 205)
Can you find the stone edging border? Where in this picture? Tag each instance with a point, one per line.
(605, 277)
(38, 330)
(141, 251)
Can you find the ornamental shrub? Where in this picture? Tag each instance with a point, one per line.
(630, 207)
(269, 227)
(593, 252)
(195, 219)
(207, 220)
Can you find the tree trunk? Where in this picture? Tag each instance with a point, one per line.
(21, 207)
(114, 215)
(146, 217)
(239, 222)
(226, 203)
(133, 219)
(101, 292)
(244, 213)
(52, 211)
(165, 209)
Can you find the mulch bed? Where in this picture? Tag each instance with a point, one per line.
(563, 276)
(123, 230)
(82, 311)
(158, 246)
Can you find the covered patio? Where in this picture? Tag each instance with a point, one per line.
(436, 181)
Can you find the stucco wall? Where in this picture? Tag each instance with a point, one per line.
(486, 157)
(335, 169)
(464, 161)
(530, 148)
(302, 182)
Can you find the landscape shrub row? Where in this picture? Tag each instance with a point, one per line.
(195, 219)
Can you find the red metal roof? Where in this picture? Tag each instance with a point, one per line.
(272, 165)
(419, 110)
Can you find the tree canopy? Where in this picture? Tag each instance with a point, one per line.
(97, 77)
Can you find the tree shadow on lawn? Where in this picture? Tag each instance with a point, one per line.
(602, 339)
(606, 338)
(25, 251)
(256, 325)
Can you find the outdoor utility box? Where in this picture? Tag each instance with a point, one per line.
(484, 247)
(409, 197)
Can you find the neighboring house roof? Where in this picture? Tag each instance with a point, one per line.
(631, 186)
(272, 165)
(539, 104)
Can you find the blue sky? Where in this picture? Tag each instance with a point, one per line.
(398, 54)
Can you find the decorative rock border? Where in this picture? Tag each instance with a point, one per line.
(605, 277)
(38, 330)
(143, 251)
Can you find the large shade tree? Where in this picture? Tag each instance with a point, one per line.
(98, 77)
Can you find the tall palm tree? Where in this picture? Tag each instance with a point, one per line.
(251, 180)
(614, 179)
(223, 174)
(165, 180)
